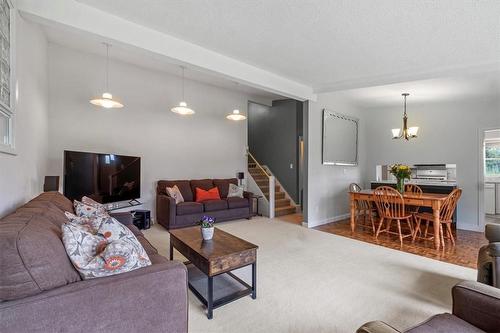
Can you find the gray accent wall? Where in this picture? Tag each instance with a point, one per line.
(273, 138)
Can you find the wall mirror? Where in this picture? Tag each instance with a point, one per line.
(340, 139)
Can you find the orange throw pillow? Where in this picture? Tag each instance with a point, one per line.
(202, 195)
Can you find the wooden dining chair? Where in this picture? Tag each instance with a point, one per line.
(391, 207)
(446, 218)
(417, 191)
(362, 206)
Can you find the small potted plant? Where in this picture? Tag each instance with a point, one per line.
(401, 172)
(207, 227)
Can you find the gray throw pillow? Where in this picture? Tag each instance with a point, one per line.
(235, 191)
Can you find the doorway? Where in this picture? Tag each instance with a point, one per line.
(491, 178)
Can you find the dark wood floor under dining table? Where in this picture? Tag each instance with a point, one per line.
(432, 200)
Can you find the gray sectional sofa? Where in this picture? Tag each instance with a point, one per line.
(40, 290)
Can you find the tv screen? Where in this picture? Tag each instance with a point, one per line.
(103, 177)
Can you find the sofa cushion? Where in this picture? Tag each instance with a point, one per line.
(47, 209)
(57, 199)
(150, 249)
(235, 202)
(183, 185)
(445, 323)
(187, 208)
(33, 256)
(235, 191)
(223, 185)
(213, 205)
(204, 184)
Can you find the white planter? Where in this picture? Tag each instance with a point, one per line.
(207, 233)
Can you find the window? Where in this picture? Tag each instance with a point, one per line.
(7, 112)
(492, 158)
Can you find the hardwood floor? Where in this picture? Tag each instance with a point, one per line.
(464, 253)
(296, 218)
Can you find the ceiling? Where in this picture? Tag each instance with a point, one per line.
(332, 45)
(486, 85)
(93, 44)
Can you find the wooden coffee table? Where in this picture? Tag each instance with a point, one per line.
(221, 255)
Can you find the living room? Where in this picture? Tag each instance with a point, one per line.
(151, 56)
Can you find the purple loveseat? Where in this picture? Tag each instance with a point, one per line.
(189, 212)
(40, 290)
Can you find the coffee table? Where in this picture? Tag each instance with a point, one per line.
(215, 258)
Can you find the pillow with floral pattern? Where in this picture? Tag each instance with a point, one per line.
(88, 207)
(109, 250)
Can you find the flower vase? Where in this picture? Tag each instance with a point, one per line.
(401, 185)
(207, 233)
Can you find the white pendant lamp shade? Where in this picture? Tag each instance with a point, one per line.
(106, 100)
(236, 115)
(182, 109)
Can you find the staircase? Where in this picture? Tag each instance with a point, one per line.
(282, 205)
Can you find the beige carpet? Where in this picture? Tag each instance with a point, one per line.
(311, 281)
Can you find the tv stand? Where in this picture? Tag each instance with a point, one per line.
(131, 203)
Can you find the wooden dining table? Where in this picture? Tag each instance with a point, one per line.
(432, 200)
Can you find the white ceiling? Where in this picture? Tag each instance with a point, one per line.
(331, 44)
(485, 85)
(93, 44)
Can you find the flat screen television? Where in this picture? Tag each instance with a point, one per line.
(103, 177)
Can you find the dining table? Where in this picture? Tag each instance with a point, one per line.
(431, 200)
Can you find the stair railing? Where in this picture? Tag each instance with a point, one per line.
(271, 180)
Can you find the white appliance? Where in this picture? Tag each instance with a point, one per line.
(489, 198)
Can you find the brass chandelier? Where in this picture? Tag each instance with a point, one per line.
(406, 133)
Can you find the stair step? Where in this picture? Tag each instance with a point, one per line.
(281, 202)
(287, 210)
(277, 195)
(265, 188)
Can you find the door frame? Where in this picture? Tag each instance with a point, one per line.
(480, 193)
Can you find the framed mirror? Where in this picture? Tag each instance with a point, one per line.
(340, 139)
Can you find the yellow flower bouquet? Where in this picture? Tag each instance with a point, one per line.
(401, 172)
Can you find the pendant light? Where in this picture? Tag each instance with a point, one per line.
(236, 116)
(106, 100)
(406, 133)
(182, 109)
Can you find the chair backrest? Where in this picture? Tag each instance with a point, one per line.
(448, 207)
(414, 189)
(390, 203)
(353, 187)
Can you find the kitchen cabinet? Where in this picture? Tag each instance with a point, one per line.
(497, 205)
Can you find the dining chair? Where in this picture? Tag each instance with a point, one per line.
(391, 207)
(363, 206)
(445, 217)
(417, 191)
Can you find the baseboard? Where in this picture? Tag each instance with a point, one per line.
(337, 218)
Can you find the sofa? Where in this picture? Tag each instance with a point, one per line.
(41, 291)
(488, 261)
(188, 213)
(476, 308)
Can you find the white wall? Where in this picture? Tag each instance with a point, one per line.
(204, 145)
(21, 175)
(450, 132)
(327, 185)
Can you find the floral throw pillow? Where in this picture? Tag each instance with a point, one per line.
(88, 208)
(109, 250)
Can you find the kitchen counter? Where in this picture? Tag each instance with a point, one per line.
(446, 183)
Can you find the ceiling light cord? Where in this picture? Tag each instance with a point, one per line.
(106, 75)
(183, 97)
